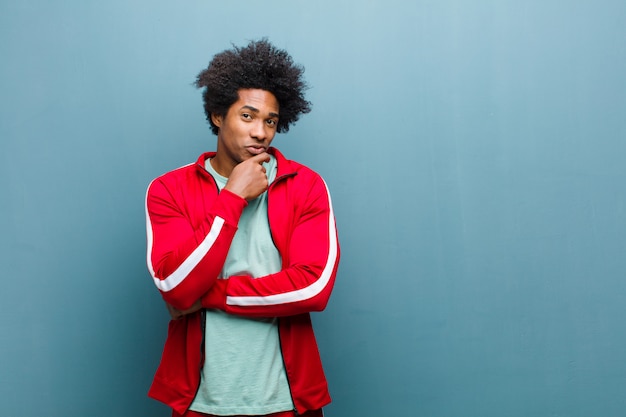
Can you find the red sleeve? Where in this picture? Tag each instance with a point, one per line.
(306, 281)
(185, 260)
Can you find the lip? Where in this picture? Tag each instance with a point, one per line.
(255, 150)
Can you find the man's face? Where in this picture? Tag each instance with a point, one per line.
(247, 129)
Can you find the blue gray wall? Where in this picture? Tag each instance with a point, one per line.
(476, 154)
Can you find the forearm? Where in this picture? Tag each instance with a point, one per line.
(304, 285)
(185, 257)
(275, 295)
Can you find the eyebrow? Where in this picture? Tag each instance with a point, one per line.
(255, 110)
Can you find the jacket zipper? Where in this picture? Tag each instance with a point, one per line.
(278, 321)
(278, 179)
(202, 355)
(282, 357)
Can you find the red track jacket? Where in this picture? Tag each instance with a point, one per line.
(190, 226)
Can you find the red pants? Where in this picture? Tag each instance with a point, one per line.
(312, 413)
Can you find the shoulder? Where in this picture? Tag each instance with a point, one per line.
(174, 176)
(183, 176)
(298, 171)
(302, 183)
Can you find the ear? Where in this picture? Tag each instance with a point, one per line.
(217, 119)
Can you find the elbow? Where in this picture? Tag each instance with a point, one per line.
(319, 302)
(178, 299)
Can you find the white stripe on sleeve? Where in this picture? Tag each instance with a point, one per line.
(306, 292)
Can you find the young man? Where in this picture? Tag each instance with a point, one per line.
(242, 246)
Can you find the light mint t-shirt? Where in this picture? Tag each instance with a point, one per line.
(243, 371)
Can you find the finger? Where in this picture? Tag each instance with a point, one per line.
(260, 158)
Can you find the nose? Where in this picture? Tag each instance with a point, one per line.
(258, 131)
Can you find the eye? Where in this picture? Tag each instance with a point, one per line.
(246, 116)
(271, 122)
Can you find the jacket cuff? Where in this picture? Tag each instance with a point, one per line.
(229, 206)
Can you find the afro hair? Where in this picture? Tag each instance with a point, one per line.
(257, 65)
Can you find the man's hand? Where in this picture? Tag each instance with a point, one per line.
(248, 179)
(178, 314)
